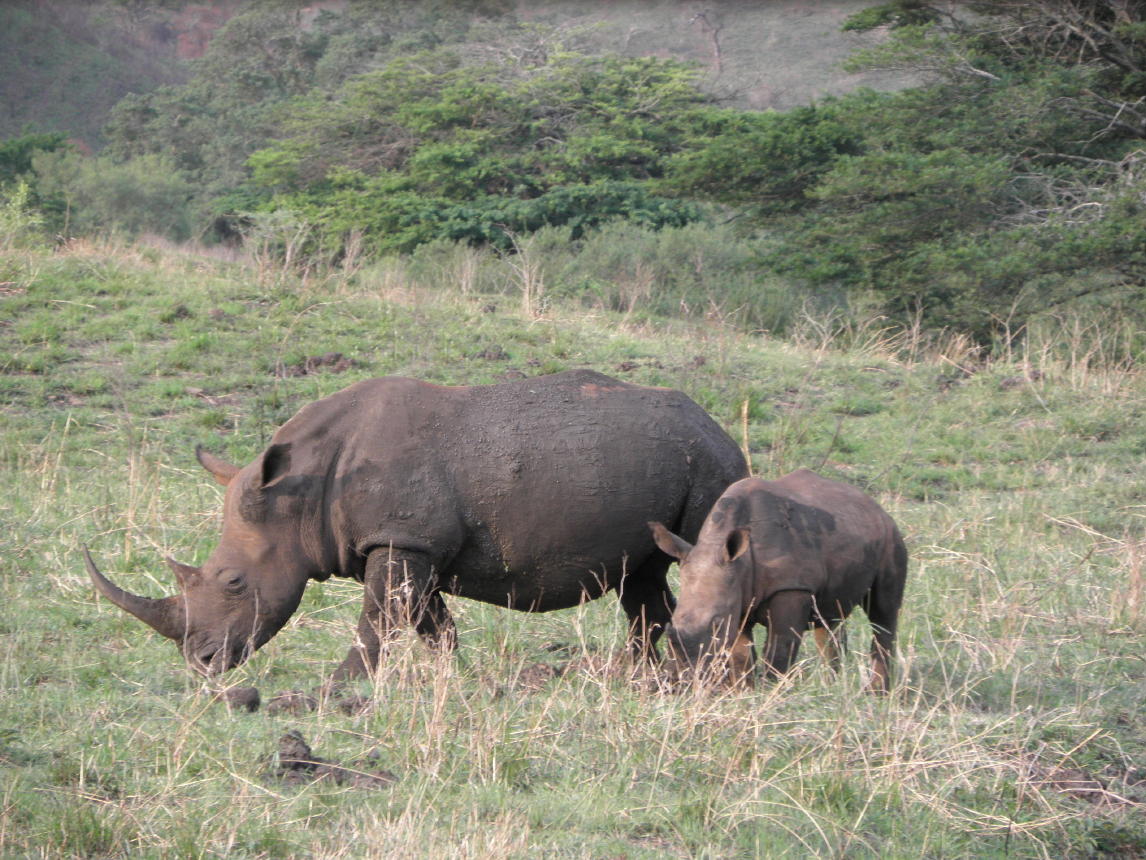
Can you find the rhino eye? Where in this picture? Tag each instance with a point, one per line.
(234, 583)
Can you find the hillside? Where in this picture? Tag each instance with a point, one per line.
(64, 64)
(756, 55)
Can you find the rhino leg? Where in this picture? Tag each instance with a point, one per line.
(649, 603)
(882, 607)
(398, 594)
(832, 642)
(787, 614)
(883, 613)
(435, 624)
(742, 659)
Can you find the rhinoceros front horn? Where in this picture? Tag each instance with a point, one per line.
(165, 615)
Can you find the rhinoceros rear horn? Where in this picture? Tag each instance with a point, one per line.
(217, 466)
(164, 615)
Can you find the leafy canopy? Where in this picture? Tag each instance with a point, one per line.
(430, 147)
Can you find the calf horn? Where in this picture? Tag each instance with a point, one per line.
(165, 615)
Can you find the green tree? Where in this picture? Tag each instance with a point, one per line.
(430, 147)
(1000, 188)
(16, 153)
(243, 91)
(764, 163)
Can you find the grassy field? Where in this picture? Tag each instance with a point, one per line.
(1015, 728)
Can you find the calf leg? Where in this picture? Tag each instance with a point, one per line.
(398, 593)
(832, 642)
(742, 659)
(649, 603)
(883, 612)
(787, 614)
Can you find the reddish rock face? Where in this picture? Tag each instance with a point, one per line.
(197, 22)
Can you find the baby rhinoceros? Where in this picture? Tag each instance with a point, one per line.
(796, 552)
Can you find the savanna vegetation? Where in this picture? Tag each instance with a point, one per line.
(932, 294)
(1014, 729)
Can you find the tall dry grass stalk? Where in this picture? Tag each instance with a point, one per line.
(468, 265)
(873, 336)
(636, 287)
(527, 269)
(1088, 355)
(275, 242)
(1135, 551)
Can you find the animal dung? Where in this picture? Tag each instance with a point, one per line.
(242, 698)
(295, 763)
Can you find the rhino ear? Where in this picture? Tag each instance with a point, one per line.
(736, 544)
(670, 544)
(223, 471)
(184, 573)
(276, 463)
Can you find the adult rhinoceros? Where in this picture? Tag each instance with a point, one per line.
(532, 494)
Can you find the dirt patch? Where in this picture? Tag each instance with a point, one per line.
(1078, 783)
(333, 362)
(493, 353)
(292, 702)
(630, 366)
(617, 667)
(534, 677)
(69, 401)
(298, 702)
(296, 764)
(214, 399)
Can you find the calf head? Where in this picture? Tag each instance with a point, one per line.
(245, 591)
(706, 635)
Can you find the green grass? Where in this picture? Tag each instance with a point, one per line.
(1020, 662)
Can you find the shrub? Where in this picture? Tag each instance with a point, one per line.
(145, 194)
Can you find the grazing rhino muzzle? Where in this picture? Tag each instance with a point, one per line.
(788, 554)
(532, 494)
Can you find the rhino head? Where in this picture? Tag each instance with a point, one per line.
(245, 591)
(706, 635)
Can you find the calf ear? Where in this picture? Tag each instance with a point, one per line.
(736, 544)
(276, 463)
(670, 544)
